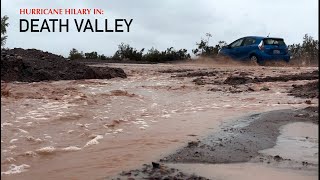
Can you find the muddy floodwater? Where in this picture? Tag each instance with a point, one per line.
(95, 129)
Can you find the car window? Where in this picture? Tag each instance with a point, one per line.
(237, 43)
(249, 41)
(273, 41)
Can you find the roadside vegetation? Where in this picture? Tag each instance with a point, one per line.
(305, 53)
(4, 25)
(204, 49)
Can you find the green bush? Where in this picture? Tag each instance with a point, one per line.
(75, 54)
(92, 55)
(126, 52)
(154, 55)
(306, 53)
(205, 50)
(103, 57)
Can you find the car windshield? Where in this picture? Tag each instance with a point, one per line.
(273, 41)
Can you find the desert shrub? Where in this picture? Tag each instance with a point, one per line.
(91, 55)
(153, 55)
(170, 54)
(306, 53)
(75, 54)
(126, 52)
(103, 57)
(205, 50)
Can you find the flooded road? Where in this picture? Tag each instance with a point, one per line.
(94, 129)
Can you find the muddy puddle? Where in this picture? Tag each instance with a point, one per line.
(295, 156)
(93, 129)
(245, 171)
(298, 141)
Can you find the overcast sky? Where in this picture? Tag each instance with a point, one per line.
(165, 23)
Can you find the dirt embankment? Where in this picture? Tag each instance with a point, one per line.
(240, 144)
(33, 65)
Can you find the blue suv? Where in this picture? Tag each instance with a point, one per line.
(257, 49)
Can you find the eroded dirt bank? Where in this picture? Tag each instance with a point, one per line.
(84, 129)
(33, 65)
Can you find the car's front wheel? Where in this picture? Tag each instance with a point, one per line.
(255, 59)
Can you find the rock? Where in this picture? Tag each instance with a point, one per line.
(277, 158)
(250, 89)
(199, 81)
(264, 88)
(308, 102)
(155, 165)
(214, 89)
(193, 144)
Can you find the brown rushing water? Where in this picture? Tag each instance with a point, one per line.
(90, 129)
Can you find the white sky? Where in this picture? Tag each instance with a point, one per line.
(165, 23)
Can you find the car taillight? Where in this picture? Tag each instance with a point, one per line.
(261, 46)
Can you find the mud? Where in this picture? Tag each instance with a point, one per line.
(241, 141)
(157, 171)
(175, 70)
(198, 73)
(95, 129)
(34, 65)
(241, 144)
(309, 90)
(235, 80)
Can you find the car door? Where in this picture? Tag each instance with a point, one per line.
(234, 48)
(247, 46)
